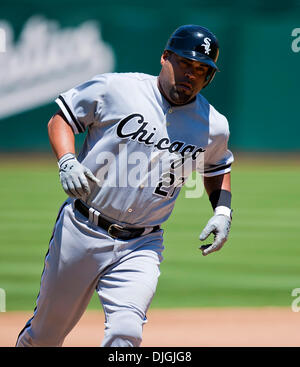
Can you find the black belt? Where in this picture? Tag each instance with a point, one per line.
(113, 229)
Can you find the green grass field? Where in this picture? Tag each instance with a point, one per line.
(258, 266)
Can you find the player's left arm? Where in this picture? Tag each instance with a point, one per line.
(218, 189)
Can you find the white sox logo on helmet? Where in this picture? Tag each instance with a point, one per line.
(206, 45)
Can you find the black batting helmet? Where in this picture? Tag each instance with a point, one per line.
(196, 43)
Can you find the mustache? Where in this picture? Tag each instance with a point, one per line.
(185, 84)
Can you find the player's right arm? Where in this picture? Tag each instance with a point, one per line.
(61, 136)
(73, 175)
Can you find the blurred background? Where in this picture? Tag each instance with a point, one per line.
(54, 44)
(50, 46)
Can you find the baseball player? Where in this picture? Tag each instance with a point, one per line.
(145, 135)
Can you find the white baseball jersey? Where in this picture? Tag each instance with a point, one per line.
(141, 149)
(135, 140)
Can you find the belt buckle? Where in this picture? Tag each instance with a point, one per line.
(113, 226)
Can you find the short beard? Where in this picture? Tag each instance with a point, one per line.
(174, 96)
(178, 97)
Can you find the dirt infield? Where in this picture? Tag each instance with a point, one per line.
(261, 327)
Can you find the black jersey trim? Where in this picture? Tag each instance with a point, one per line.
(219, 168)
(79, 126)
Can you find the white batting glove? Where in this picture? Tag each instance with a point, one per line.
(73, 176)
(219, 225)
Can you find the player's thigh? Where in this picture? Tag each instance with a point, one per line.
(131, 282)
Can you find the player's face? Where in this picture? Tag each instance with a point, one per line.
(181, 79)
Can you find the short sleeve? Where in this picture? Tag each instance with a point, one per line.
(218, 158)
(223, 165)
(82, 104)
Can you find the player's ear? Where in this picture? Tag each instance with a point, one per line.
(164, 57)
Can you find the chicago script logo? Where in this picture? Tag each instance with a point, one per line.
(143, 134)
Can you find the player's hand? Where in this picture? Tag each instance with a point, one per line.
(219, 225)
(73, 176)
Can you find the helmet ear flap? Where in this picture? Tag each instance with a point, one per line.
(209, 76)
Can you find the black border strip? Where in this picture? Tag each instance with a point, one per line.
(80, 128)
